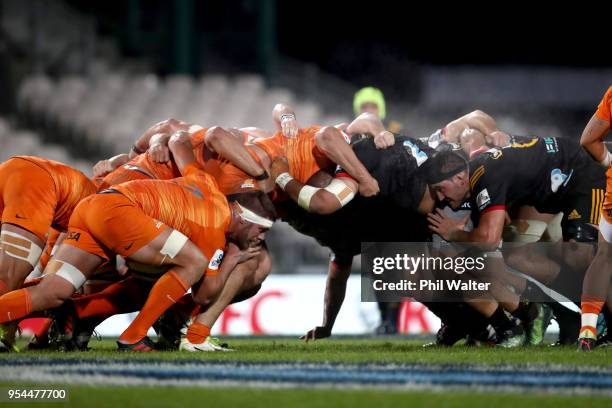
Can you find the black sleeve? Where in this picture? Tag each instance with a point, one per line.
(488, 191)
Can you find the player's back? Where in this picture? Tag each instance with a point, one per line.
(532, 171)
(71, 186)
(304, 157)
(181, 202)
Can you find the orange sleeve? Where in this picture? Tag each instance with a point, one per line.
(197, 138)
(605, 107)
(192, 168)
(214, 250)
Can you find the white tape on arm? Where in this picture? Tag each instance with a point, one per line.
(283, 179)
(305, 196)
(341, 191)
(19, 247)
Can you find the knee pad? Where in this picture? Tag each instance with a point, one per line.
(580, 232)
(19, 247)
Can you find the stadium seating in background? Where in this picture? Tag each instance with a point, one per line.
(103, 114)
(26, 142)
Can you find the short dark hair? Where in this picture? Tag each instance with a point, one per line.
(256, 201)
(444, 165)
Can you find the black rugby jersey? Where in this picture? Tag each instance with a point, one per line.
(531, 171)
(396, 168)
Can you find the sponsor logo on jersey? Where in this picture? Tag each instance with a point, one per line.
(417, 153)
(483, 199)
(216, 259)
(496, 153)
(248, 183)
(574, 215)
(557, 178)
(518, 145)
(551, 145)
(73, 236)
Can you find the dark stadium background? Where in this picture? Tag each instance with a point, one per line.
(539, 72)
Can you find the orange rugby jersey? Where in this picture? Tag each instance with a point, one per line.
(70, 184)
(142, 167)
(191, 204)
(304, 157)
(604, 110)
(229, 177)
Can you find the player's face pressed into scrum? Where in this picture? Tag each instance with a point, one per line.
(250, 235)
(453, 191)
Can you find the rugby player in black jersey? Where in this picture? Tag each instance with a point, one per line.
(332, 214)
(553, 175)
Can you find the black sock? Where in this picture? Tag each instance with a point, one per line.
(500, 321)
(526, 311)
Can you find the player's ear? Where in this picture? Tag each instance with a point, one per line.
(462, 176)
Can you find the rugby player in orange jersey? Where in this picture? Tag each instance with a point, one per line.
(35, 195)
(129, 220)
(596, 289)
(138, 165)
(158, 166)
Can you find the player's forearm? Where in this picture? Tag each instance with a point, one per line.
(143, 142)
(340, 152)
(229, 289)
(366, 123)
(119, 160)
(335, 291)
(223, 143)
(312, 199)
(159, 138)
(182, 151)
(478, 120)
(592, 138)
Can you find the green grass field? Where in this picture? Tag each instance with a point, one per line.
(334, 350)
(395, 350)
(117, 397)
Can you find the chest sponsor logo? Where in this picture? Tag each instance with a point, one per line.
(495, 153)
(248, 183)
(557, 179)
(551, 145)
(216, 259)
(417, 153)
(483, 199)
